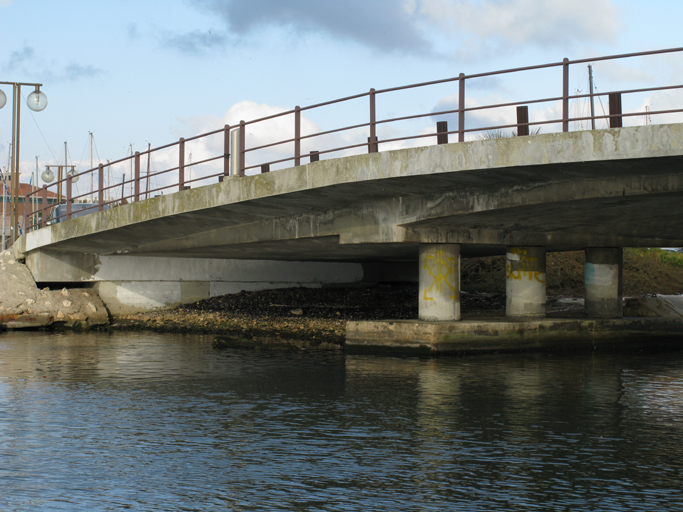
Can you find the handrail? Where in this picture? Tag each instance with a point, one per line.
(235, 156)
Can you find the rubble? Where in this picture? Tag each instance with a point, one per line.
(23, 305)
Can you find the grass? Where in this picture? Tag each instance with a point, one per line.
(646, 271)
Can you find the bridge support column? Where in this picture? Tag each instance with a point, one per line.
(439, 282)
(525, 282)
(603, 277)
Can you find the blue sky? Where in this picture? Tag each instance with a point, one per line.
(151, 71)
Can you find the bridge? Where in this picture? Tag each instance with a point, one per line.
(403, 214)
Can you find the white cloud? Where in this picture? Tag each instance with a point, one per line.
(513, 23)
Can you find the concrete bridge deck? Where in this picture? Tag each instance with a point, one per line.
(607, 189)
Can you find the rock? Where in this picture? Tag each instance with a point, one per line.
(297, 311)
(24, 305)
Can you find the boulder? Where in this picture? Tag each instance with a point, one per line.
(23, 305)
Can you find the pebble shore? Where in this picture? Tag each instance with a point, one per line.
(304, 317)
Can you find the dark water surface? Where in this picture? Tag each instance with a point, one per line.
(163, 422)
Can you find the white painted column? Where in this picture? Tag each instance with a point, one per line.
(603, 277)
(525, 282)
(439, 282)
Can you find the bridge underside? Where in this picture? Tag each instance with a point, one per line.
(622, 203)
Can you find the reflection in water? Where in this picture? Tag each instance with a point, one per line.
(154, 422)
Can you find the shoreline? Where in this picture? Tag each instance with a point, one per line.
(307, 319)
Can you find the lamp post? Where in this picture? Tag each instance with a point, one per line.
(36, 101)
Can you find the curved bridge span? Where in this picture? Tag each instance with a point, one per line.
(599, 190)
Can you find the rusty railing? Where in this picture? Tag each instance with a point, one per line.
(234, 151)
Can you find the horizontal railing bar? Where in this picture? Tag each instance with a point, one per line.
(627, 55)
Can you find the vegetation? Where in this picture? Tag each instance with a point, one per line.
(646, 271)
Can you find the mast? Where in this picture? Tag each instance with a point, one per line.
(590, 86)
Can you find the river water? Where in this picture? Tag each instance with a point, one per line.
(164, 422)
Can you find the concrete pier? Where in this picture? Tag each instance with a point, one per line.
(525, 282)
(439, 282)
(603, 278)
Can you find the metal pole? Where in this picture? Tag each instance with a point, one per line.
(590, 85)
(243, 135)
(461, 107)
(226, 150)
(181, 165)
(136, 195)
(297, 135)
(372, 140)
(100, 190)
(16, 107)
(565, 94)
(92, 195)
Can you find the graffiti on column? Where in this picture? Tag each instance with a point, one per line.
(524, 266)
(441, 270)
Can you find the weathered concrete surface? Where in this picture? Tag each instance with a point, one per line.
(662, 306)
(602, 188)
(128, 284)
(603, 278)
(23, 305)
(480, 336)
(525, 282)
(439, 291)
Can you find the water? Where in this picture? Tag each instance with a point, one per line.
(161, 422)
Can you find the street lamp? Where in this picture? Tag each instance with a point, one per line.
(36, 101)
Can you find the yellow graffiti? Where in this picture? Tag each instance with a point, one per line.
(440, 269)
(528, 267)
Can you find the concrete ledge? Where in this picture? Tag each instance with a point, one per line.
(492, 335)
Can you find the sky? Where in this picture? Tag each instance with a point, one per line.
(143, 72)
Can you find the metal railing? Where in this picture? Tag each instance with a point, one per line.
(235, 152)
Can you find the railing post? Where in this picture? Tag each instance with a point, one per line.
(43, 215)
(372, 140)
(137, 176)
(523, 120)
(235, 154)
(100, 188)
(442, 132)
(297, 135)
(565, 94)
(243, 136)
(226, 151)
(68, 196)
(615, 119)
(461, 107)
(181, 165)
(27, 216)
(315, 156)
